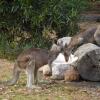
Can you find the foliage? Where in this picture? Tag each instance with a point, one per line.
(23, 22)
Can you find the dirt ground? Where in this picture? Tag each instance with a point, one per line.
(56, 91)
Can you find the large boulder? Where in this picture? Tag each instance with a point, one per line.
(88, 63)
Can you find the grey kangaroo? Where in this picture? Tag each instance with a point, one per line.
(91, 35)
(31, 60)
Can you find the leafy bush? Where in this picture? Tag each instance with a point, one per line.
(23, 22)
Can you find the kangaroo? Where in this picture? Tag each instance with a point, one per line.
(31, 60)
(91, 35)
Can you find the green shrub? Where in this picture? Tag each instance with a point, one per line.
(22, 22)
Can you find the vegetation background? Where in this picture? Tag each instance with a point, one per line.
(28, 23)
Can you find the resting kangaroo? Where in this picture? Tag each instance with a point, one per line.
(91, 35)
(31, 60)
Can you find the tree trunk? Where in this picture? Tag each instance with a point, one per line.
(88, 64)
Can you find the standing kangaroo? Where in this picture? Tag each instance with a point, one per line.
(31, 60)
(91, 35)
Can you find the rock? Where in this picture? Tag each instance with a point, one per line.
(62, 41)
(59, 66)
(45, 70)
(71, 74)
(88, 63)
